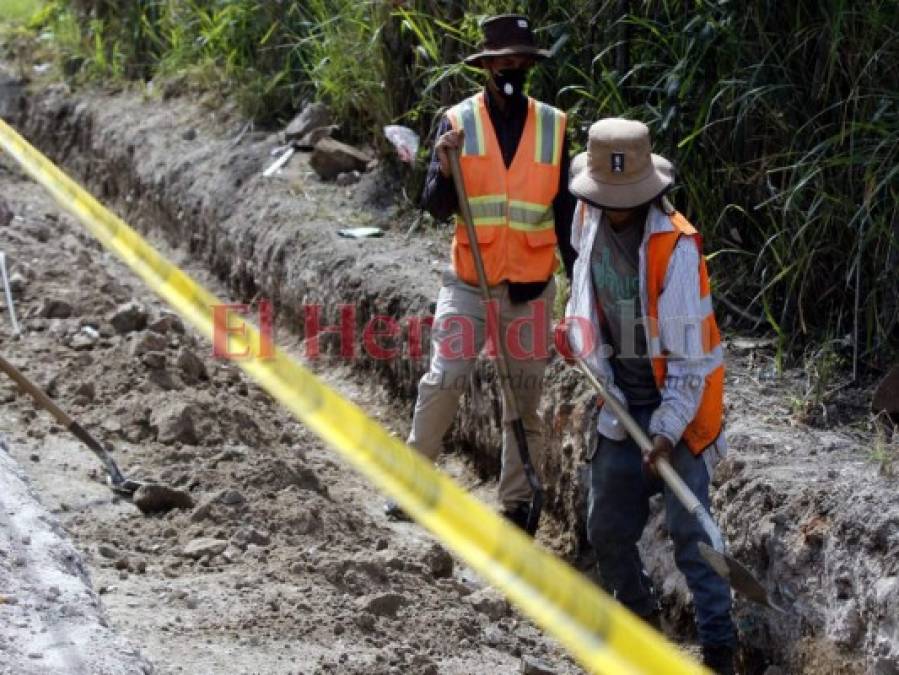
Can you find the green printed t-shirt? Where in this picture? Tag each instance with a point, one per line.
(614, 267)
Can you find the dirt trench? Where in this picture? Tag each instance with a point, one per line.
(285, 563)
(804, 507)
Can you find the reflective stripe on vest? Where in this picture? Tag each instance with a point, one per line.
(511, 207)
(707, 423)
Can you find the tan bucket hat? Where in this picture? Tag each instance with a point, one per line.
(619, 170)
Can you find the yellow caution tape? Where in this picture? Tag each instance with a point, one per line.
(599, 632)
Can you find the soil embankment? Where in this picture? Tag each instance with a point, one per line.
(805, 508)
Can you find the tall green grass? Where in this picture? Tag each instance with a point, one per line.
(782, 116)
(16, 11)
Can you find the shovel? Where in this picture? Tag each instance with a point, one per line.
(736, 574)
(502, 365)
(114, 477)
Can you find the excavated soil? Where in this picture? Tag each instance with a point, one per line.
(285, 563)
(805, 500)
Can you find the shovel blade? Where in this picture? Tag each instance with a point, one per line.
(738, 576)
(125, 486)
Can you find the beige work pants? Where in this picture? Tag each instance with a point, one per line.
(457, 337)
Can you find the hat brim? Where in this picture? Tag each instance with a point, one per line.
(514, 50)
(587, 185)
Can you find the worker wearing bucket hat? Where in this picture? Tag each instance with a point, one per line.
(640, 317)
(514, 163)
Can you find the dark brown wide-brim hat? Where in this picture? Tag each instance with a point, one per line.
(507, 35)
(619, 169)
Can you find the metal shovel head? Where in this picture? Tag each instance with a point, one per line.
(740, 578)
(125, 487)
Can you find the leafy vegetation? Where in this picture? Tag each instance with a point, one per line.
(781, 116)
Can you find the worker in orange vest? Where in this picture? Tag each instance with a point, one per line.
(640, 316)
(515, 164)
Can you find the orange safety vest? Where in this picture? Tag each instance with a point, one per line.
(512, 208)
(706, 425)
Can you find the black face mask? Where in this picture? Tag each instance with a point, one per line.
(510, 82)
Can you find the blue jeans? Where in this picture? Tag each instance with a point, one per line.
(617, 513)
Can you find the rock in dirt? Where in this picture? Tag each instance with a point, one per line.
(192, 367)
(149, 342)
(331, 157)
(54, 309)
(129, 317)
(439, 561)
(534, 666)
(203, 546)
(886, 396)
(17, 284)
(244, 536)
(174, 422)
(313, 116)
(490, 603)
(153, 360)
(84, 339)
(109, 551)
(348, 178)
(161, 498)
(167, 323)
(383, 604)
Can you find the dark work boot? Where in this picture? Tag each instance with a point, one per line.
(719, 659)
(518, 516)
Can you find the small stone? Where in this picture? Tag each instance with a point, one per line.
(174, 423)
(85, 391)
(167, 323)
(164, 379)
(152, 498)
(189, 134)
(489, 602)
(347, 178)
(108, 551)
(204, 546)
(122, 563)
(493, 635)
(192, 367)
(246, 535)
(54, 309)
(84, 339)
(17, 284)
(382, 544)
(533, 666)
(34, 457)
(365, 622)
(439, 561)
(313, 116)
(331, 157)
(383, 604)
(149, 342)
(231, 497)
(153, 360)
(129, 317)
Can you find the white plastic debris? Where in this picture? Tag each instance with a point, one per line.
(404, 140)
